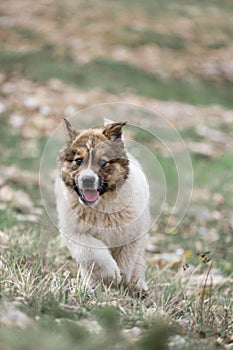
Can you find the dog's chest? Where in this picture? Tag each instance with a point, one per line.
(113, 228)
(105, 220)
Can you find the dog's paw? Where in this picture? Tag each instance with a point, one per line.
(138, 290)
(111, 273)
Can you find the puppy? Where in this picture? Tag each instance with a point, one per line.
(102, 201)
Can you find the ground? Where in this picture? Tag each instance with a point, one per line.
(175, 58)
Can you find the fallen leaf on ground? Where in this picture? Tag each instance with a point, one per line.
(213, 135)
(206, 149)
(165, 259)
(20, 200)
(16, 175)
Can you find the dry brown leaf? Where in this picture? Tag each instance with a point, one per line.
(14, 174)
(22, 201)
(165, 259)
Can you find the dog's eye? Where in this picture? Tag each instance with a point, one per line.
(102, 162)
(79, 161)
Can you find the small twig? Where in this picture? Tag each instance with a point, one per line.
(204, 291)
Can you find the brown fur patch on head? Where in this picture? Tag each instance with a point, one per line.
(102, 150)
(113, 131)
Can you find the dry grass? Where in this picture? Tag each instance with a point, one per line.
(191, 301)
(137, 53)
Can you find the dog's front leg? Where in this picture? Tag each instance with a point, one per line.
(95, 260)
(130, 259)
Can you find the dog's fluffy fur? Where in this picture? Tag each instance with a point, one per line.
(102, 203)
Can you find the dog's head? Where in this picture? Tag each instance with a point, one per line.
(94, 161)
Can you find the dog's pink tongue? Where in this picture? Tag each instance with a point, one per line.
(90, 195)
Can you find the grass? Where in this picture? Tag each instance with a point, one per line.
(218, 174)
(133, 38)
(190, 302)
(12, 151)
(159, 6)
(59, 308)
(26, 33)
(114, 77)
(48, 289)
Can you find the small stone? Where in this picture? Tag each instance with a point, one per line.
(2, 266)
(218, 198)
(8, 88)
(29, 148)
(180, 252)
(55, 85)
(219, 341)
(2, 107)
(12, 317)
(205, 149)
(202, 230)
(45, 110)
(132, 333)
(201, 213)
(3, 238)
(16, 121)
(217, 215)
(31, 102)
(2, 77)
(16, 175)
(22, 201)
(6, 193)
(70, 110)
(39, 122)
(151, 248)
(19, 199)
(231, 222)
(92, 326)
(3, 206)
(28, 218)
(211, 134)
(177, 340)
(82, 98)
(2, 180)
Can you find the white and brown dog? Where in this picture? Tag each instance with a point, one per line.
(103, 206)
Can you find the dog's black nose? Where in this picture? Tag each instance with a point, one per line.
(88, 181)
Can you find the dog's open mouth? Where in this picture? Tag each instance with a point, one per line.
(87, 195)
(90, 196)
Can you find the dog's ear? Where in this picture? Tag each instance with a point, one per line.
(107, 121)
(113, 131)
(71, 131)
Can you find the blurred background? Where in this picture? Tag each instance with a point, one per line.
(175, 58)
(58, 57)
